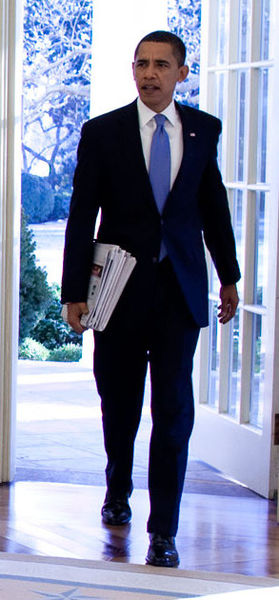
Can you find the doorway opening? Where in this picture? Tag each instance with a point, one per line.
(59, 427)
(57, 54)
(59, 422)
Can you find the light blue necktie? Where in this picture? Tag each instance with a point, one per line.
(159, 168)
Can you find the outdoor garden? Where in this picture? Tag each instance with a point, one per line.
(56, 97)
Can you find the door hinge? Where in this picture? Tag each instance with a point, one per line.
(276, 429)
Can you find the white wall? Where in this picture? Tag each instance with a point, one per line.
(117, 28)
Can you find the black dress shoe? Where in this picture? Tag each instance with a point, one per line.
(162, 551)
(116, 510)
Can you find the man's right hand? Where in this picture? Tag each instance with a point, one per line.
(75, 311)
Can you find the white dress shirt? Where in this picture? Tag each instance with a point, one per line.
(173, 128)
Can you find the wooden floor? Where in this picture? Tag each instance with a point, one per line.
(231, 534)
(53, 508)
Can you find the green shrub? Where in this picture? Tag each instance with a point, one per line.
(35, 293)
(61, 205)
(51, 330)
(66, 353)
(32, 350)
(37, 198)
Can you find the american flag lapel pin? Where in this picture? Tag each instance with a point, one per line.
(192, 134)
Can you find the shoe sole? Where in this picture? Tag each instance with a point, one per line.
(159, 564)
(115, 523)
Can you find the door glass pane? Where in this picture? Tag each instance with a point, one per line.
(214, 359)
(214, 280)
(238, 224)
(221, 31)
(261, 249)
(220, 111)
(241, 125)
(235, 365)
(262, 125)
(265, 36)
(258, 373)
(244, 30)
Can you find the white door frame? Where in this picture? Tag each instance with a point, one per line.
(10, 140)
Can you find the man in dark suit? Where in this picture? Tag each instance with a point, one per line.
(157, 183)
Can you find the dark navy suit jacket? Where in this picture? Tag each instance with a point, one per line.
(111, 174)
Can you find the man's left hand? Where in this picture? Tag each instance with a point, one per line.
(229, 302)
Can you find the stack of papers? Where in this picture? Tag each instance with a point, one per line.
(111, 270)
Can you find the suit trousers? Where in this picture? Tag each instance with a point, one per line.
(150, 324)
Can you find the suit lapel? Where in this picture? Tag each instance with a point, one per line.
(131, 149)
(129, 134)
(189, 163)
(130, 140)
(189, 138)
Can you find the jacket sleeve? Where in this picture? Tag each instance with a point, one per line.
(84, 208)
(216, 218)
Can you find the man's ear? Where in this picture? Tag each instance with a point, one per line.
(133, 69)
(183, 72)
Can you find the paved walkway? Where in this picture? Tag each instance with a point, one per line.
(59, 432)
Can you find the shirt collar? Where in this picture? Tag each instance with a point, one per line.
(146, 114)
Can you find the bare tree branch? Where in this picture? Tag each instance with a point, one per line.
(56, 93)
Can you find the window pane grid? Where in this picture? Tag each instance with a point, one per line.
(242, 57)
(242, 41)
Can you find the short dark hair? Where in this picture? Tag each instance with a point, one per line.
(166, 37)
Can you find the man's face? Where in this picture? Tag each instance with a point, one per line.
(156, 73)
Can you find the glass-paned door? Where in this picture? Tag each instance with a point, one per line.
(235, 377)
